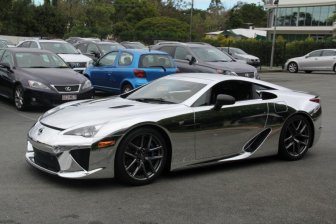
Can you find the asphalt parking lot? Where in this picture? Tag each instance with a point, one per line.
(263, 190)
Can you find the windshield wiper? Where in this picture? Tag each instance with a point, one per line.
(160, 100)
(159, 66)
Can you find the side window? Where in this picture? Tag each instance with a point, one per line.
(315, 54)
(82, 47)
(25, 44)
(328, 53)
(168, 49)
(240, 90)
(1, 52)
(181, 53)
(125, 59)
(108, 59)
(33, 44)
(7, 58)
(92, 48)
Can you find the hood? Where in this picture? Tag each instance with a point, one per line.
(113, 109)
(74, 57)
(247, 56)
(236, 67)
(53, 75)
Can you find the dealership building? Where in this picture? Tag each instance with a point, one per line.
(299, 19)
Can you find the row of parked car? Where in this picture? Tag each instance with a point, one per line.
(54, 71)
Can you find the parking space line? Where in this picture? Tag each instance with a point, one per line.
(17, 113)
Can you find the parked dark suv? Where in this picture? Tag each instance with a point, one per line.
(202, 57)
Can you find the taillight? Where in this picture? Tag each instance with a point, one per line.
(139, 73)
(315, 100)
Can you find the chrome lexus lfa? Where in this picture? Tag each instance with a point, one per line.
(176, 122)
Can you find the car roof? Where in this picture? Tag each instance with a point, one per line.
(189, 44)
(144, 51)
(26, 50)
(46, 41)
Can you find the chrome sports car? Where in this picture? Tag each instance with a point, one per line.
(175, 122)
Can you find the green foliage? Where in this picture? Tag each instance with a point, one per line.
(157, 28)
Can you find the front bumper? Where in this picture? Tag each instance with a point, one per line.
(68, 156)
(53, 98)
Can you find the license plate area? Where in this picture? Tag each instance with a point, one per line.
(69, 97)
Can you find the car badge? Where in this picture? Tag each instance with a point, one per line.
(68, 88)
(40, 131)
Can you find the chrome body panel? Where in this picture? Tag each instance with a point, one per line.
(198, 135)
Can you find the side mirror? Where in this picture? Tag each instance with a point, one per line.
(191, 59)
(307, 56)
(222, 100)
(5, 65)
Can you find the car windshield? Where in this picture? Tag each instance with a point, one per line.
(155, 61)
(237, 51)
(210, 54)
(105, 48)
(135, 45)
(59, 47)
(39, 60)
(166, 91)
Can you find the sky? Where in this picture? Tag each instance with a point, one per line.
(203, 4)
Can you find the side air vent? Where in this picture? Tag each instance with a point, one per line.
(121, 106)
(82, 157)
(255, 142)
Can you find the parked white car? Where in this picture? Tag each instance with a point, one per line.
(66, 51)
(241, 55)
(319, 60)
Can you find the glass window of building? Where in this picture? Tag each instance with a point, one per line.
(316, 15)
(302, 16)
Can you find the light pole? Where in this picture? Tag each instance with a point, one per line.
(276, 2)
(191, 19)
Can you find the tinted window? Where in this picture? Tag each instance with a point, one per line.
(168, 49)
(25, 44)
(105, 48)
(82, 47)
(181, 53)
(155, 60)
(92, 48)
(7, 58)
(315, 54)
(328, 53)
(108, 59)
(210, 54)
(125, 59)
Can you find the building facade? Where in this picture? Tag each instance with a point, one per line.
(299, 19)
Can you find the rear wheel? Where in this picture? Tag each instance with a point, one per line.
(295, 138)
(292, 67)
(20, 99)
(141, 157)
(126, 88)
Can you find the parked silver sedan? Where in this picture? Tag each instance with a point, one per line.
(319, 60)
(176, 122)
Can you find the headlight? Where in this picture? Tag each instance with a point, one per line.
(37, 85)
(88, 131)
(87, 84)
(229, 73)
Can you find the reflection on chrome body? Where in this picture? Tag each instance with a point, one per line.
(197, 135)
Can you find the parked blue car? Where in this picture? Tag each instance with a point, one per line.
(122, 70)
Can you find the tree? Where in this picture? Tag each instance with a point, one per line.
(161, 28)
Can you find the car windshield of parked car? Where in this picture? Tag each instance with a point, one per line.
(39, 60)
(105, 48)
(135, 45)
(210, 54)
(237, 51)
(59, 47)
(166, 91)
(155, 61)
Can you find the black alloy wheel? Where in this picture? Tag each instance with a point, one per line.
(126, 88)
(295, 138)
(20, 98)
(141, 157)
(292, 67)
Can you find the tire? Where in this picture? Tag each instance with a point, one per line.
(308, 72)
(20, 100)
(141, 157)
(295, 138)
(292, 67)
(334, 68)
(126, 88)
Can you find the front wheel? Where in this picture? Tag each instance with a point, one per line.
(141, 157)
(20, 99)
(292, 67)
(295, 138)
